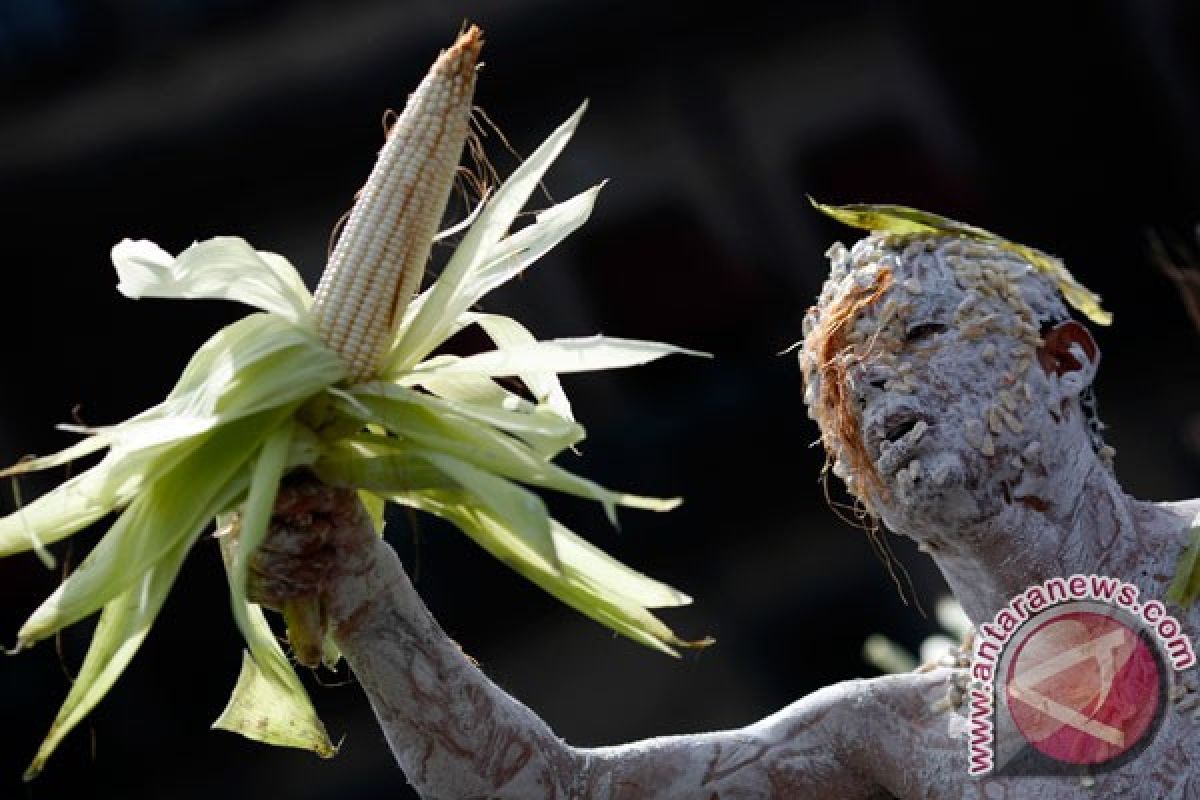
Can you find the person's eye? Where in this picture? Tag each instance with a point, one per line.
(923, 331)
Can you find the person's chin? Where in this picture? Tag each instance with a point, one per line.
(941, 498)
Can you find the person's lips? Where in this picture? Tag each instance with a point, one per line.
(896, 439)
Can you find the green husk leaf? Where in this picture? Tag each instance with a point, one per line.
(269, 703)
(480, 397)
(374, 464)
(507, 333)
(67, 509)
(288, 350)
(80, 449)
(545, 431)
(507, 259)
(375, 505)
(223, 268)
(256, 516)
(1185, 586)
(162, 537)
(268, 710)
(138, 450)
(519, 510)
(257, 363)
(120, 632)
(436, 314)
(172, 509)
(387, 468)
(280, 365)
(470, 389)
(582, 354)
(330, 653)
(904, 220)
(609, 576)
(588, 594)
(432, 431)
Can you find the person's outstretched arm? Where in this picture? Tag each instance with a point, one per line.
(456, 734)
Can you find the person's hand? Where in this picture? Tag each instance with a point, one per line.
(319, 539)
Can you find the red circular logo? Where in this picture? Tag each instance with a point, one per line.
(1083, 687)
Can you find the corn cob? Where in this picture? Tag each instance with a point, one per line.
(379, 259)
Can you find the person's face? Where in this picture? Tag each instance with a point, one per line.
(955, 411)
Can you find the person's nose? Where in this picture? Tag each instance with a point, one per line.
(868, 380)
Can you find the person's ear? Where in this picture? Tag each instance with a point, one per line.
(1069, 351)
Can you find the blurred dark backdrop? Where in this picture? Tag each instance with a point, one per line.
(176, 120)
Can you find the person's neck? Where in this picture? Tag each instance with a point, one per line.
(1087, 525)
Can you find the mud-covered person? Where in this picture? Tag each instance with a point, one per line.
(953, 391)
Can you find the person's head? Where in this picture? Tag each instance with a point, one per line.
(948, 380)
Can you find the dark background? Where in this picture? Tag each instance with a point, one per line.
(1072, 130)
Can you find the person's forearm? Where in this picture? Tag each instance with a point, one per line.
(458, 735)
(453, 732)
